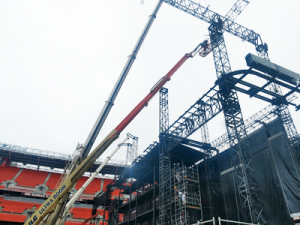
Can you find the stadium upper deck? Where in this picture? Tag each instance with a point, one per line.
(25, 155)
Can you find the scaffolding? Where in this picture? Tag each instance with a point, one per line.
(186, 195)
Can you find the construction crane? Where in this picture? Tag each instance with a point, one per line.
(49, 205)
(213, 18)
(86, 147)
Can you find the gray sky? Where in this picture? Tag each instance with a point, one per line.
(59, 61)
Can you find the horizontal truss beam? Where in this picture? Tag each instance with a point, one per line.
(205, 14)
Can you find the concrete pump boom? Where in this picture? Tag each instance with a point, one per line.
(49, 205)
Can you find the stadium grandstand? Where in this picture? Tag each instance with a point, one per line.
(28, 176)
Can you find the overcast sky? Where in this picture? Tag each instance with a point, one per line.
(60, 59)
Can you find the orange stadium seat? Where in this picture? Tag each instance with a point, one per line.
(12, 217)
(16, 206)
(2, 187)
(116, 193)
(103, 223)
(81, 213)
(72, 223)
(52, 181)
(106, 215)
(31, 178)
(93, 186)
(8, 173)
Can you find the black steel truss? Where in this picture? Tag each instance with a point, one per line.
(163, 110)
(207, 107)
(265, 115)
(261, 92)
(164, 161)
(132, 149)
(237, 30)
(241, 158)
(236, 9)
(164, 184)
(209, 16)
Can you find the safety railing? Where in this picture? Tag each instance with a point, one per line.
(54, 155)
(213, 221)
(231, 221)
(209, 221)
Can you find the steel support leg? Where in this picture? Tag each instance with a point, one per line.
(164, 161)
(248, 187)
(164, 184)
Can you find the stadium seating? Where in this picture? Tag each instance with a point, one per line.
(93, 186)
(31, 178)
(8, 173)
(12, 218)
(28, 179)
(52, 181)
(83, 213)
(72, 223)
(16, 206)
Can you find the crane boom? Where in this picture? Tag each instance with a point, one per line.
(110, 101)
(50, 204)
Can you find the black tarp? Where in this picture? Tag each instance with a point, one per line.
(276, 175)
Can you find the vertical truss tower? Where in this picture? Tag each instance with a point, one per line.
(132, 149)
(249, 191)
(163, 110)
(164, 161)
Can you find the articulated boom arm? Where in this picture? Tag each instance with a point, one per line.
(209, 16)
(49, 205)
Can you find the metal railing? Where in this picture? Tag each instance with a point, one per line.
(213, 221)
(55, 170)
(231, 221)
(53, 155)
